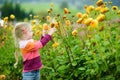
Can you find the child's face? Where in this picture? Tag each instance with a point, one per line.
(29, 34)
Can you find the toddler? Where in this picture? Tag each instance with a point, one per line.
(30, 49)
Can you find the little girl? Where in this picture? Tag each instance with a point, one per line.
(30, 49)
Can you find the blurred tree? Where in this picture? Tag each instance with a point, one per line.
(9, 8)
(64, 4)
(19, 13)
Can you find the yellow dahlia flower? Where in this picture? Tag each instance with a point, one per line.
(98, 8)
(89, 8)
(57, 24)
(67, 22)
(79, 15)
(74, 32)
(94, 24)
(52, 25)
(114, 8)
(88, 21)
(99, 2)
(85, 16)
(104, 10)
(100, 17)
(118, 12)
(49, 11)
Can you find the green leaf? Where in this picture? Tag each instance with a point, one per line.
(118, 68)
(88, 43)
(63, 67)
(106, 43)
(81, 68)
(97, 37)
(102, 49)
(74, 63)
(74, 48)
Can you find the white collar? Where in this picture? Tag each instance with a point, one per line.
(23, 43)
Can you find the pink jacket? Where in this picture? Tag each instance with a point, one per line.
(30, 53)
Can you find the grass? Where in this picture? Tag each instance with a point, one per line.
(38, 7)
(35, 7)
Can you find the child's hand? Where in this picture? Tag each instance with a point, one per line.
(44, 32)
(52, 30)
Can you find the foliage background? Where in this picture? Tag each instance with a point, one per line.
(76, 57)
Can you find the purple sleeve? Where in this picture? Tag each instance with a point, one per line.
(45, 39)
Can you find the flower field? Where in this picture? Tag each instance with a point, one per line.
(86, 45)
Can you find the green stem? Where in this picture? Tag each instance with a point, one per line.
(69, 58)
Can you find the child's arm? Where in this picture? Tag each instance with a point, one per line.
(31, 46)
(47, 37)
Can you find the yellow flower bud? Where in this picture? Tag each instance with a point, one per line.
(52, 25)
(74, 32)
(5, 19)
(35, 17)
(37, 32)
(55, 45)
(48, 17)
(33, 21)
(12, 16)
(66, 11)
(2, 77)
(68, 22)
(51, 4)
(79, 21)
